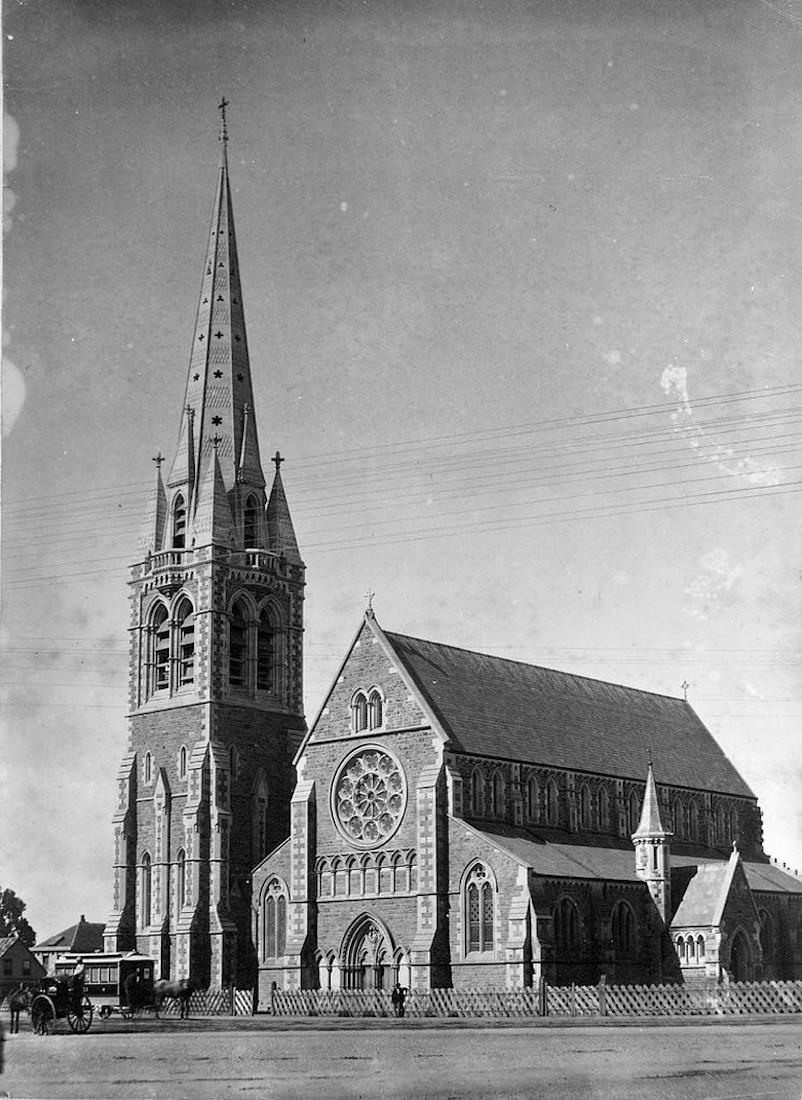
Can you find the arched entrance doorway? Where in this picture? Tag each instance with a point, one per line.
(367, 955)
(740, 958)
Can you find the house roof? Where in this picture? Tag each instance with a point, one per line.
(5, 943)
(83, 937)
(492, 706)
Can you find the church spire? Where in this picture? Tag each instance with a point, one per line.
(219, 391)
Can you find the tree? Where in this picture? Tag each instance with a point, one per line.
(12, 922)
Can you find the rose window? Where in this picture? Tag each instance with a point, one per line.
(369, 797)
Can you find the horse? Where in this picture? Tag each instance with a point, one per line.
(180, 990)
(18, 1001)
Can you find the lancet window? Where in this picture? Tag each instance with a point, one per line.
(566, 927)
(623, 929)
(146, 892)
(181, 878)
(479, 905)
(274, 921)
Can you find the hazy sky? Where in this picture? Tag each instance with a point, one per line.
(522, 283)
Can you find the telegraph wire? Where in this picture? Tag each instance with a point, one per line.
(326, 460)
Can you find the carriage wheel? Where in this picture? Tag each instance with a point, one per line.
(43, 1015)
(80, 1017)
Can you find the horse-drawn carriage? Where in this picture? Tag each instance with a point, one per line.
(60, 998)
(115, 982)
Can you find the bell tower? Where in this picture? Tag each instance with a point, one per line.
(215, 687)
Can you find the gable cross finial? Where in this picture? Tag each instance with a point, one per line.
(685, 685)
(370, 596)
(158, 459)
(223, 128)
(277, 459)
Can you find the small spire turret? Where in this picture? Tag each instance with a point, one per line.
(652, 850)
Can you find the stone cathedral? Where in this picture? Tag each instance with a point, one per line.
(216, 690)
(450, 819)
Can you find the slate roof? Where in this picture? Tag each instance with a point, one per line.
(492, 706)
(705, 897)
(615, 861)
(85, 937)
(5, 943)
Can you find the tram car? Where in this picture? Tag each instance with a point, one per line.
(115, 982)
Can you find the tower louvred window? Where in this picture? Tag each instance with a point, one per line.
(237, 659)
(161, 650)
(251, 523)
(265, 654)
(179, 523)
(186, 643)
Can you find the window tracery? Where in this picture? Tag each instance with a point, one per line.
(479, 910)
(369, 797)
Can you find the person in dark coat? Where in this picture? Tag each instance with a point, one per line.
(398, 996)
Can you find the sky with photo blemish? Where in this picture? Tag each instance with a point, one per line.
(522, 283)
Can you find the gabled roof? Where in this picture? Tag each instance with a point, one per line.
(705, 897)
(5, 943)
(614, 861)
(83, 937)
(492, 706)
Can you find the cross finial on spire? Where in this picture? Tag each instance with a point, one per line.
(650, 756)
(685, 685)
(277, 459)
(223, 128)
(158, 459)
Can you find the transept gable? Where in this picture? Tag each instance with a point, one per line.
(716, 895)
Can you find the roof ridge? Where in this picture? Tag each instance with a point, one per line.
(543, 668)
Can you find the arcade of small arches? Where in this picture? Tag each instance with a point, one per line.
(690, 949)
(371, 874)
(592, 806)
